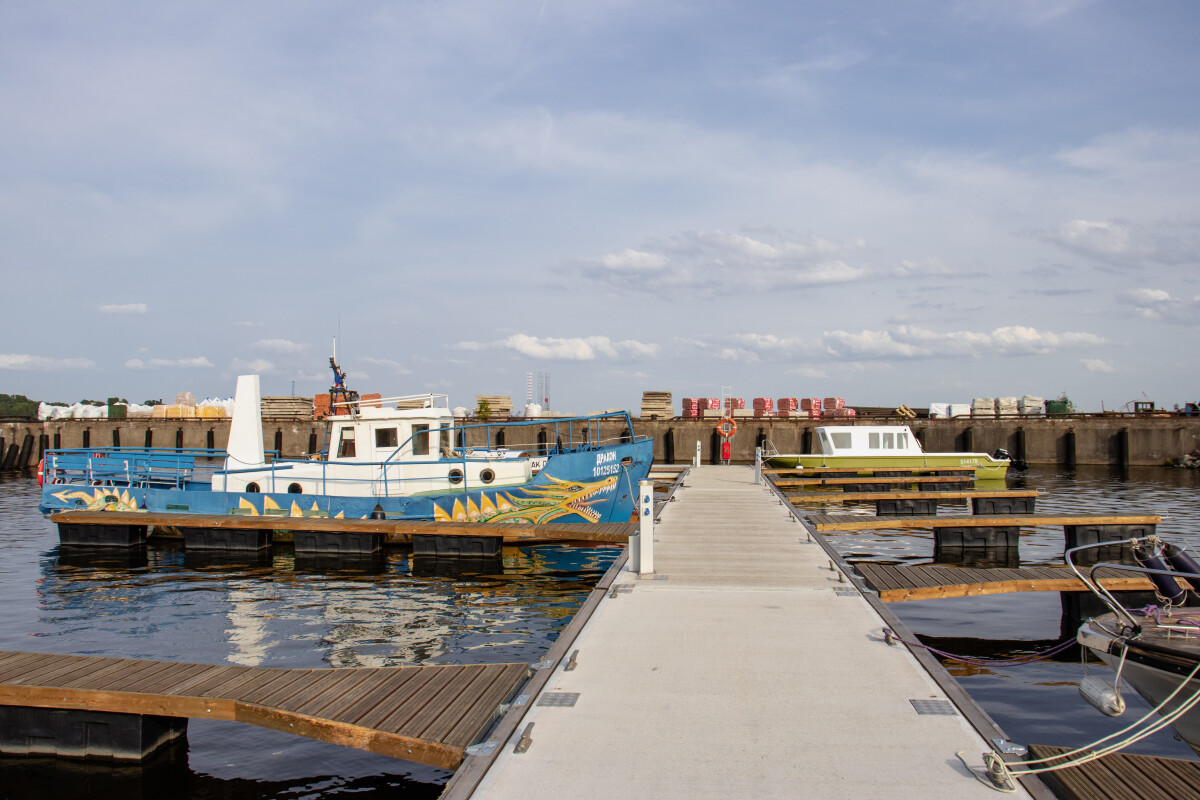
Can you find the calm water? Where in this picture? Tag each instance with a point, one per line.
(1036, 703)
(162, 603)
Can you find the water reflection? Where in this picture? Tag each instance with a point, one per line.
(269, 608)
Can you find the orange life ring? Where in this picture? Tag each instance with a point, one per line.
(41, 472)
(727, 427)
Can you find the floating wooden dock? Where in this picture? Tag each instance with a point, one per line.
(423, 714)
(1121, 776)
(395, 531)
(855, 497)
(897, 584)
(857, 522)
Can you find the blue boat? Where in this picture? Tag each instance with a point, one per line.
(396, 458)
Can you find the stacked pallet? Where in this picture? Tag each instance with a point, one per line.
(787, 406)
(1032, 406)
(657, 404)
(842, 413)
(691, 407)
(711, 407)
(287, 408)
(833, 403)
(500, 405)
(983, 407)
(763, 406)
(1006, 406)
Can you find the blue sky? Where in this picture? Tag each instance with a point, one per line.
(889, 202)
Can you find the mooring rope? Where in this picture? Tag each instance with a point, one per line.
(1000, 776)
(1029, 658)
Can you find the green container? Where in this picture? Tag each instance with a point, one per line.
(1056, 406)
(118, 411)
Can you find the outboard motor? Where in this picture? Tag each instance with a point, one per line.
(1165, 586)
(1002, 455)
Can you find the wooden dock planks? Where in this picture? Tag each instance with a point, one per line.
(897, 584)
(424, 714)
(852, 497)
(857, 522)
(1122, 776)
(395, 530)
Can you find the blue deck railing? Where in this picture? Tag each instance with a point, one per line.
(167, 468)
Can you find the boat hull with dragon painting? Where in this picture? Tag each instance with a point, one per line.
(394, 458)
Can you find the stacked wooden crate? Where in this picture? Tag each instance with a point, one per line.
(657, 405)
(287, 408)
(691, 407)
(763, 406)
(499, 405)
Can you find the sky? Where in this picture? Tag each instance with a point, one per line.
(888, 202)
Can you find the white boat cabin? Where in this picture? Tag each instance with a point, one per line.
(873, 440)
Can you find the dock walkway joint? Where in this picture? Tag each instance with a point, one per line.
(423, 714)
(741, 668)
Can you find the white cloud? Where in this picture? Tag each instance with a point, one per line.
(393, 366)
(280, 346)
(722, 262)
(634, 261)
(906, 342)
(1103, 239)
(43, 363)
(588, 348)
(125, 308)
(1158, 304)
(1097, 365)
(196, 361)
(257, 366)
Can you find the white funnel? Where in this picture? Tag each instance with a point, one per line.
(245, 448)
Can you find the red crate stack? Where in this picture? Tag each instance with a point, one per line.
(844, 413)
(763, 406)
(833, 403)
(810, 404)
(734, 404)
(691, 408)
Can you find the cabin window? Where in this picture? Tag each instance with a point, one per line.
(346, 444)
(889, 441)
(902, 441)
(445, 442)
(420, 440)
(386, 437)
(873, 441)
(841, 441)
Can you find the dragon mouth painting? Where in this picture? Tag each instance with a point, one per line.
(534, 504)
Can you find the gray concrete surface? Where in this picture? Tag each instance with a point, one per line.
(737, 671)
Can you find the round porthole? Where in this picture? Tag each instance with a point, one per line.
(455, 476)
(295, 488)
(252, 487)
(487, 476)
(626, 461)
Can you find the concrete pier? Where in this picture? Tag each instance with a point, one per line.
(741, 667)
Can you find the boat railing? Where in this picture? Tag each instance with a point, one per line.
(768, 449)
(401, 402)
(141, 467)
(1098, 589)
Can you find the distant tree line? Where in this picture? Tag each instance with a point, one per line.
(18, 405)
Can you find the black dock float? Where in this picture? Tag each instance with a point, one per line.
(331, 543)
(985, 536)
(1003, 505)
(225, 539)
(918, 505)
(456, 546)
(99, 535)
(82, 734)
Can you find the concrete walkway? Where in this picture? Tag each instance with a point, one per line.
(737, 671)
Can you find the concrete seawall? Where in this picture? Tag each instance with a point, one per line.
(1064, 441)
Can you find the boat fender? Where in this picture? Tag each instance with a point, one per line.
(727, 427)
(1180, 561)
(41, 475)
(1102, 696)
(1165, 586)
